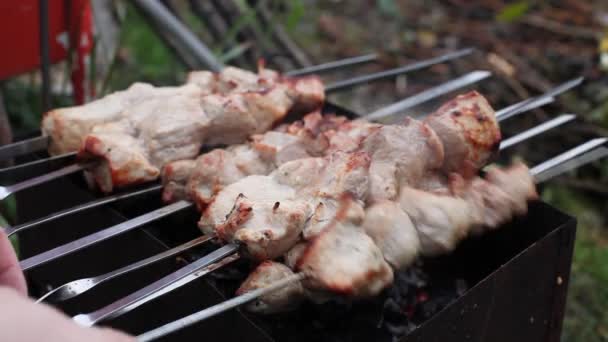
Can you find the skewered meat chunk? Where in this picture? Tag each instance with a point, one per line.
(212, 171)
(174, 177)
(268, 229)
(177, 128)
(344, 260)
(260, 213)
(469, 131)
(284, 299)
(342, 255)
(442, 221)
(230, 79)
(393, 232)
(68, 126)
(294, 254)
(267, 214)
(402, 155)
(133, 150)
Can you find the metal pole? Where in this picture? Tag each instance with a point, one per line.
(180, 33)
(43, 12)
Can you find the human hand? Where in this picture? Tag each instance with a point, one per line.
(10, 272)
(23, 320)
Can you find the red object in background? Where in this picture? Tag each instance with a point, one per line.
(20, 39)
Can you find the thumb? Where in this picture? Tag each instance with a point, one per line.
(10, 272)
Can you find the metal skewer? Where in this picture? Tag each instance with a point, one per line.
(509, 112)
(447, 87)
(103, 235)
(80, 286)
(50, 159)
(90, 205)
(40, 143)
(534, 131)
(346, 62)
(558, 165)
(166, 288)
(135, 299)
(6, 191)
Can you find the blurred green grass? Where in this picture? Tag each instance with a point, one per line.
(144, 57)
(586, 311)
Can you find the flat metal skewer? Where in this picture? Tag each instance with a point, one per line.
(503, 115)
(51, 159)
(103, 235)
(444, 88)
(6, 191)
(80, 286)
(398, 71)
(40, 143)
(135, 299)
(87, 206)
(558, 162)
(324, 67)
(536, 130)
(219, 308)
(23, 147)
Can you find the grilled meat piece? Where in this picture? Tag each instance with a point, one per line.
(267, 214)
(345, 260)
(263, 154)
(67, 127)
(475, 206)
(176, 128)
(402, 155)
(393, 232)
(284, 299)
(262, 214)
(469, 131)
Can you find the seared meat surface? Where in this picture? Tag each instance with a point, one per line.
(469, 131)
(345, 260)
(67, 127)
(401, 156)
(284, 299)
(214, 170)
(350, 256)
(166, 130)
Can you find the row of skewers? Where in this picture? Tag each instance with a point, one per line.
(334, 202)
